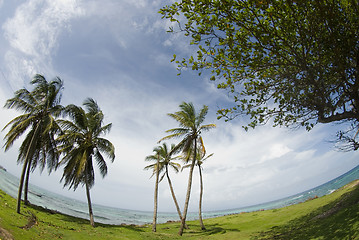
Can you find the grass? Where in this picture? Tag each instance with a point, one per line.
(335, 216)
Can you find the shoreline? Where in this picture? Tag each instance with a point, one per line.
(37, 222)
(116, 216)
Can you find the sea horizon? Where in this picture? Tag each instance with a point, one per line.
(117, 216)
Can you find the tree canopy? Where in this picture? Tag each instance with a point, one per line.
(82, 141)
(295, 62)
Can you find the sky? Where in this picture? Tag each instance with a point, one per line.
(118, 52)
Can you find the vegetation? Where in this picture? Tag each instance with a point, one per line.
(81, 142)
(190, 129)
(40, 107)
(295, 62)
(335, 216)
(78, 139)
(163, 160)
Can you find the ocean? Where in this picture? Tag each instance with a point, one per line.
(110, 215)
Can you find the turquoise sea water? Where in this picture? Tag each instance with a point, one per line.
(110, 215)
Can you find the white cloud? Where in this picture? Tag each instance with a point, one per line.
(37, 24)
(33, 33)
(256, 166)
(276, 150)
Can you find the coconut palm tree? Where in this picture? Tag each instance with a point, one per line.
(40, 107)
(190, 128)
(200, 158)
(81, 142)
(156, 170)
(164, 160)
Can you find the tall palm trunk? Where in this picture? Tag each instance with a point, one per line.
(154, 222)
(26, 190)
(200, 199)
(174, 196)
(26, 164)
(185, 209)
(20, 186)
(92, 222)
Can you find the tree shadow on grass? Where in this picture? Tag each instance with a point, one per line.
(132, 227)
(212, 229)
(336, 220)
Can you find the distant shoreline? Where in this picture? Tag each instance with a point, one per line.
(117, 216)
(297, 220)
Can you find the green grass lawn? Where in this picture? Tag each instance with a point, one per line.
(335, 216)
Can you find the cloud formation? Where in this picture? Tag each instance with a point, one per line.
(33, 34)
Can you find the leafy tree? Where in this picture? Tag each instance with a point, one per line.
(81, 143)
(190, 129)
(164, 160)
(40, 107)
(200, 158)
(294, 62)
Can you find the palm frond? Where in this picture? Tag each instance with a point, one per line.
(185, 166)
(168, 137)
(19, 104)
(200, 161)
(106, 147)
(201, 116)
(38, 80)
(105, 129)
(151, 166)
(17, 120)
(101, 163)
(77, 114)
(188, 111)
(91, 106)
(179, 117)
(207, 127)
(67, 125)
(178, 131)
(17, 129)
(151, 158)
(175, 166)
(161, 178)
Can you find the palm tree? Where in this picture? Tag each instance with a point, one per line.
(163, 158)
(40, 107)
(80, 143)
(200, 158)
(156, 170)
(190, 129)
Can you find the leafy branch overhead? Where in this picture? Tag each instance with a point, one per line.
(295, 62)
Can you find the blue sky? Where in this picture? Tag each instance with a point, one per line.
(118, 52)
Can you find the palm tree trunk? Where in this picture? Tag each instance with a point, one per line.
(185, 209)
(156, 196)
(92, 222)
(20, 186)
(26, 190)
(26, 163)
(174, 196)
(200, 199)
